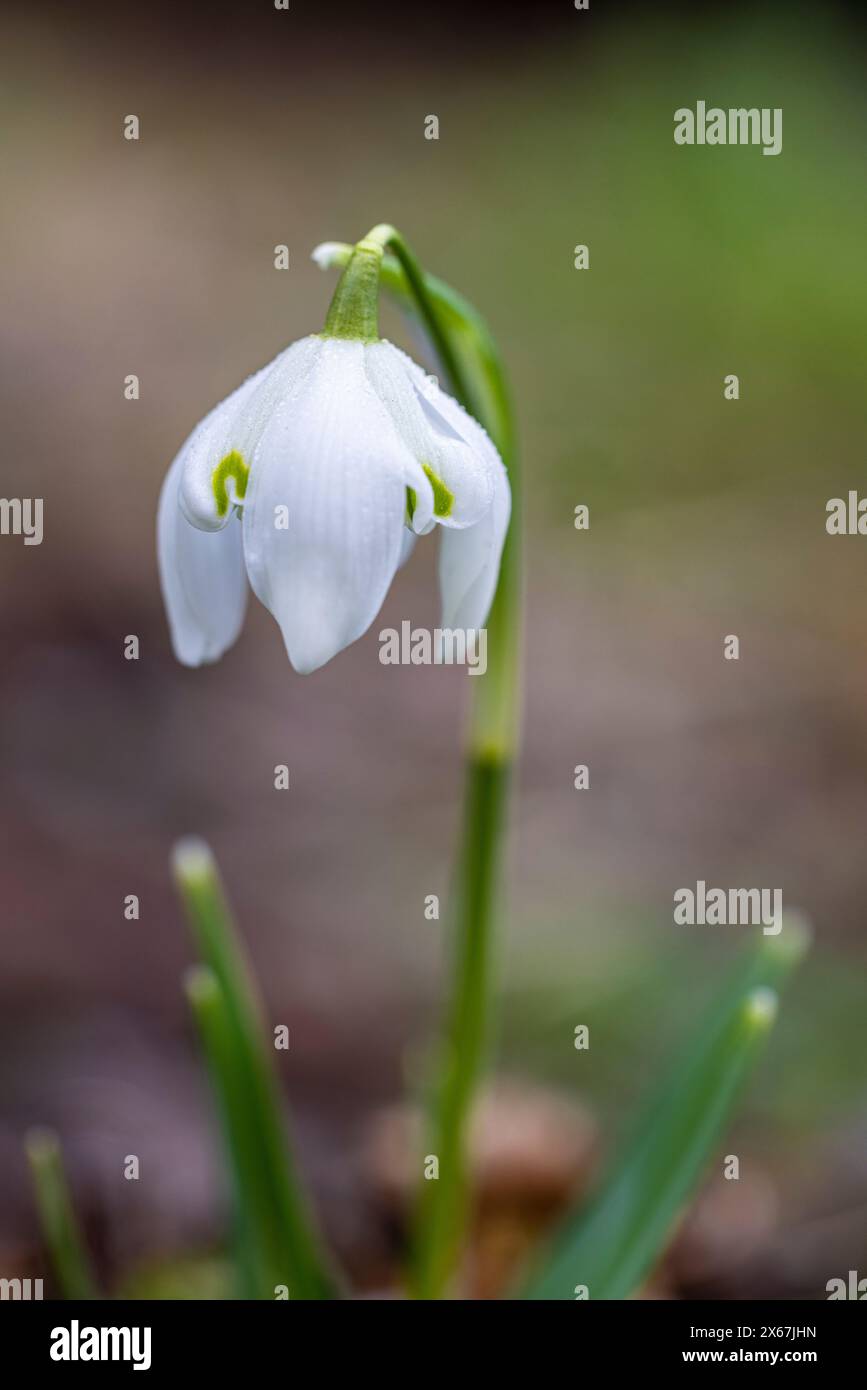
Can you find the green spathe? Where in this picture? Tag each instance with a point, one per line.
(354, 309)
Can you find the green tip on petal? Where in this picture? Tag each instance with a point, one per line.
(444, 500)
(232, 466)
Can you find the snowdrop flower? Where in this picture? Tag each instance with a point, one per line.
(313, 479)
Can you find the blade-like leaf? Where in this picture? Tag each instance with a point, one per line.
(63, 1239)
(278, 1241)
(611, 1246)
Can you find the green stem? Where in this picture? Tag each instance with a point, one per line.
(470, 360)
(389, 237)
(60, 1228)
(466, 349)
(443, 1204)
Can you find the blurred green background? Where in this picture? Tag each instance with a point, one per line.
(261, 127)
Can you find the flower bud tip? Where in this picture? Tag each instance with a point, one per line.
(192, 859)
(325, 254)
(40, 1143)
(760, 1007)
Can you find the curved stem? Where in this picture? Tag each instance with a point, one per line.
(468, 353)
(389, 237)
(471, 361)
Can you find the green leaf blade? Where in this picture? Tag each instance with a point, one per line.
(278, 1240)
(63, 1239)
(611, 1245)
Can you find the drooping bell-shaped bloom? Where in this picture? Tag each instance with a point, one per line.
(312, 480)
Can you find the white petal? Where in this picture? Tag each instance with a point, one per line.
(470, 561)
(461, 421)
(211, 440)
(332, 468)
(407, 545)
(202, 578)
(236, 424)
(426, 420)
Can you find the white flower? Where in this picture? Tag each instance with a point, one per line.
(312, 480)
